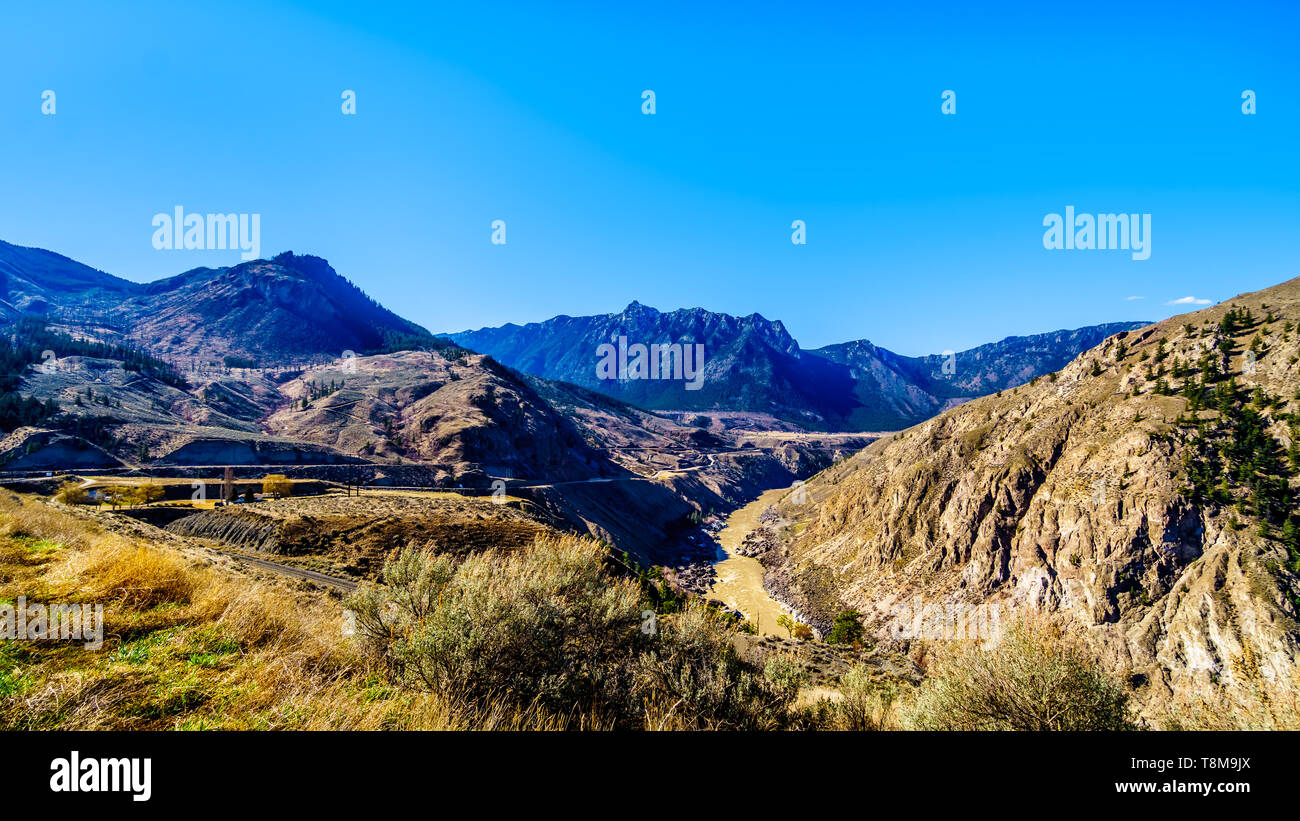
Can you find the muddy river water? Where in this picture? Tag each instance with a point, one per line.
(739, 581)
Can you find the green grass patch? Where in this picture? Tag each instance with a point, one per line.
(209, 648)
(13, 682)
(151, 646)
(211, 640)
(38, 547)
(14, 679)
(173, 698)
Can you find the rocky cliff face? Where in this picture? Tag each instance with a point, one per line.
(1140, 496)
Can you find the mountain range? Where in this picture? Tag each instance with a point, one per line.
(249, 367)
(754, 366)
(295, 309)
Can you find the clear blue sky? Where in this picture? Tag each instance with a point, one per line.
(924, 231)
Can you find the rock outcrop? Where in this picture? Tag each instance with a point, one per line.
(1136, 496)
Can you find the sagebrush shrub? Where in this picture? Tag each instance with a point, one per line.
(1036, 678)
(549, 628)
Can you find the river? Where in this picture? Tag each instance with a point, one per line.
(739, 581)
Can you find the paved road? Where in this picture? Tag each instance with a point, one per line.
(346, 585)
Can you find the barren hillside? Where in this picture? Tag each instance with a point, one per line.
(1144, 494)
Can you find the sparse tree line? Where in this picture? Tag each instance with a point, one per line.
(240, 362)
(319, 390)
(25, 345)
(1230, 457)
(275, 485)
(88, 397)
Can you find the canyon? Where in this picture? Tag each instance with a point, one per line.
(1131, 483)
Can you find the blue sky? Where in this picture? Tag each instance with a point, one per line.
(924, 231)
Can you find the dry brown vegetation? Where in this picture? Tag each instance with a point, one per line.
(190, 646)
(541, 638)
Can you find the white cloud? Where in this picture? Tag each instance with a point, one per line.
(1131, 298)
(1188, 300)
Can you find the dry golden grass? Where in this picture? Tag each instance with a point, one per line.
(191, 646)
(27, 519)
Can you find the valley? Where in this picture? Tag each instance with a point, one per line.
(355, 396)
(783, 389)
(1129, 485)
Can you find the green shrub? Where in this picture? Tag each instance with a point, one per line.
(846, 628)
(865, 703)
(784, 673)
(1034, 679)
(691, 677)
(542, 626)
(72, 493)
(547, 628)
